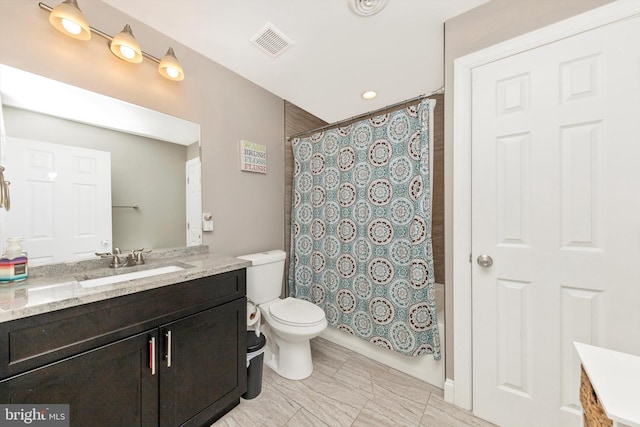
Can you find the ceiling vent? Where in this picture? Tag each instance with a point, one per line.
(271, 40)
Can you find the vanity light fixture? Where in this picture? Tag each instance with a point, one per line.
(126, 47)
(68, 19)
(170, 68)
(370, 94)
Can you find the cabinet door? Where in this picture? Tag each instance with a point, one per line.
(109, 386)
(203, 368)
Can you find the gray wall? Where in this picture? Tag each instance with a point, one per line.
(247, 208)
(137, 164)
(193, 151)
(484, 26)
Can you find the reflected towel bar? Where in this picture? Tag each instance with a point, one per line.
(126, 206)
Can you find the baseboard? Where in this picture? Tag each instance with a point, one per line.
(449, 391)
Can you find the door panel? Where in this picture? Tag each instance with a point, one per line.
(68, 213)
(194, 203)
(554, 203)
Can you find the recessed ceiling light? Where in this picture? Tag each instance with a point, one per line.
(370, 94)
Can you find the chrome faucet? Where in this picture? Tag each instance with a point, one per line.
(136, 256)
(116, 261)
(133, 258)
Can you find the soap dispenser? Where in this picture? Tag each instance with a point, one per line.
(14, 262)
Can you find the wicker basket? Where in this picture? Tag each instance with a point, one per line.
(594, 415)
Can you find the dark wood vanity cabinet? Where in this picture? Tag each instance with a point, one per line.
(202, 369)
(174, 356)
(108, 386)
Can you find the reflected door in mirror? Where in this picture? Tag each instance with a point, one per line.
(194, 203)
(66, 194)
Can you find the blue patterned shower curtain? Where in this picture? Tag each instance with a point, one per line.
(361, 230)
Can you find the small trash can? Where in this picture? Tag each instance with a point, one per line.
(255, 356)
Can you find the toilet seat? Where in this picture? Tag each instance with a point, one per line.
(296, 312)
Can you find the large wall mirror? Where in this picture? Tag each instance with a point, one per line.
(91, 173)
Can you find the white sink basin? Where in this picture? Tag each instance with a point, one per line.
(109, 280)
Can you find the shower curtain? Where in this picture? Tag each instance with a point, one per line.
(361, 229)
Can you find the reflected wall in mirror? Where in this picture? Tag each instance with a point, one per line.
(150, 154)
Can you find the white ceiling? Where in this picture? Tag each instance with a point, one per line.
(336, 55)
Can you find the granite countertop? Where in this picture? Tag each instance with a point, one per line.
(58, 286)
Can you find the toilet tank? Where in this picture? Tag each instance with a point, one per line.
(264, 276)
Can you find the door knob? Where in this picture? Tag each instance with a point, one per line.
(485, 261)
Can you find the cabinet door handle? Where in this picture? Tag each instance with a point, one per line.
(152, 355)
(168, 354)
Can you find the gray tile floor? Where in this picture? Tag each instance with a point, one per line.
(347, 389)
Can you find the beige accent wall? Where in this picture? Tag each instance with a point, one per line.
(247, 208)
(484, 26)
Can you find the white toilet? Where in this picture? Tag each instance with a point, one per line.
(288, 323)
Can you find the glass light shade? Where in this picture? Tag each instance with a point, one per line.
(71, 26)
(68, 19)
(125, 46)
(170, 68)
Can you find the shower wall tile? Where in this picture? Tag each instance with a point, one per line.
(296, 120)
(437, 227)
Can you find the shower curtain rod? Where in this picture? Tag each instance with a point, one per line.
(359, 116)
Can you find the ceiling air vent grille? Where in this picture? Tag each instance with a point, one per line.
(271, 40)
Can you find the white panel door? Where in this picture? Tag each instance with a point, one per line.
(66, 194)
(555, 149)
(194, 203)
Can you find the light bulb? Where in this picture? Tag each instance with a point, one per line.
(172, 72)
(71, 27)
(127, 52)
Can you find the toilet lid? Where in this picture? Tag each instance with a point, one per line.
(296, 312)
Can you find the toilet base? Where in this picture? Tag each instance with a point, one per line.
(291, 360)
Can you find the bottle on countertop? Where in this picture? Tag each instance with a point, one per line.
(14, 263)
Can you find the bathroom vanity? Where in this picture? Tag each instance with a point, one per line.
(166, 350)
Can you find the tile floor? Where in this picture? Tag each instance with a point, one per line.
(347, 389)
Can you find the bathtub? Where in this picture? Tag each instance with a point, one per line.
(424, 368)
